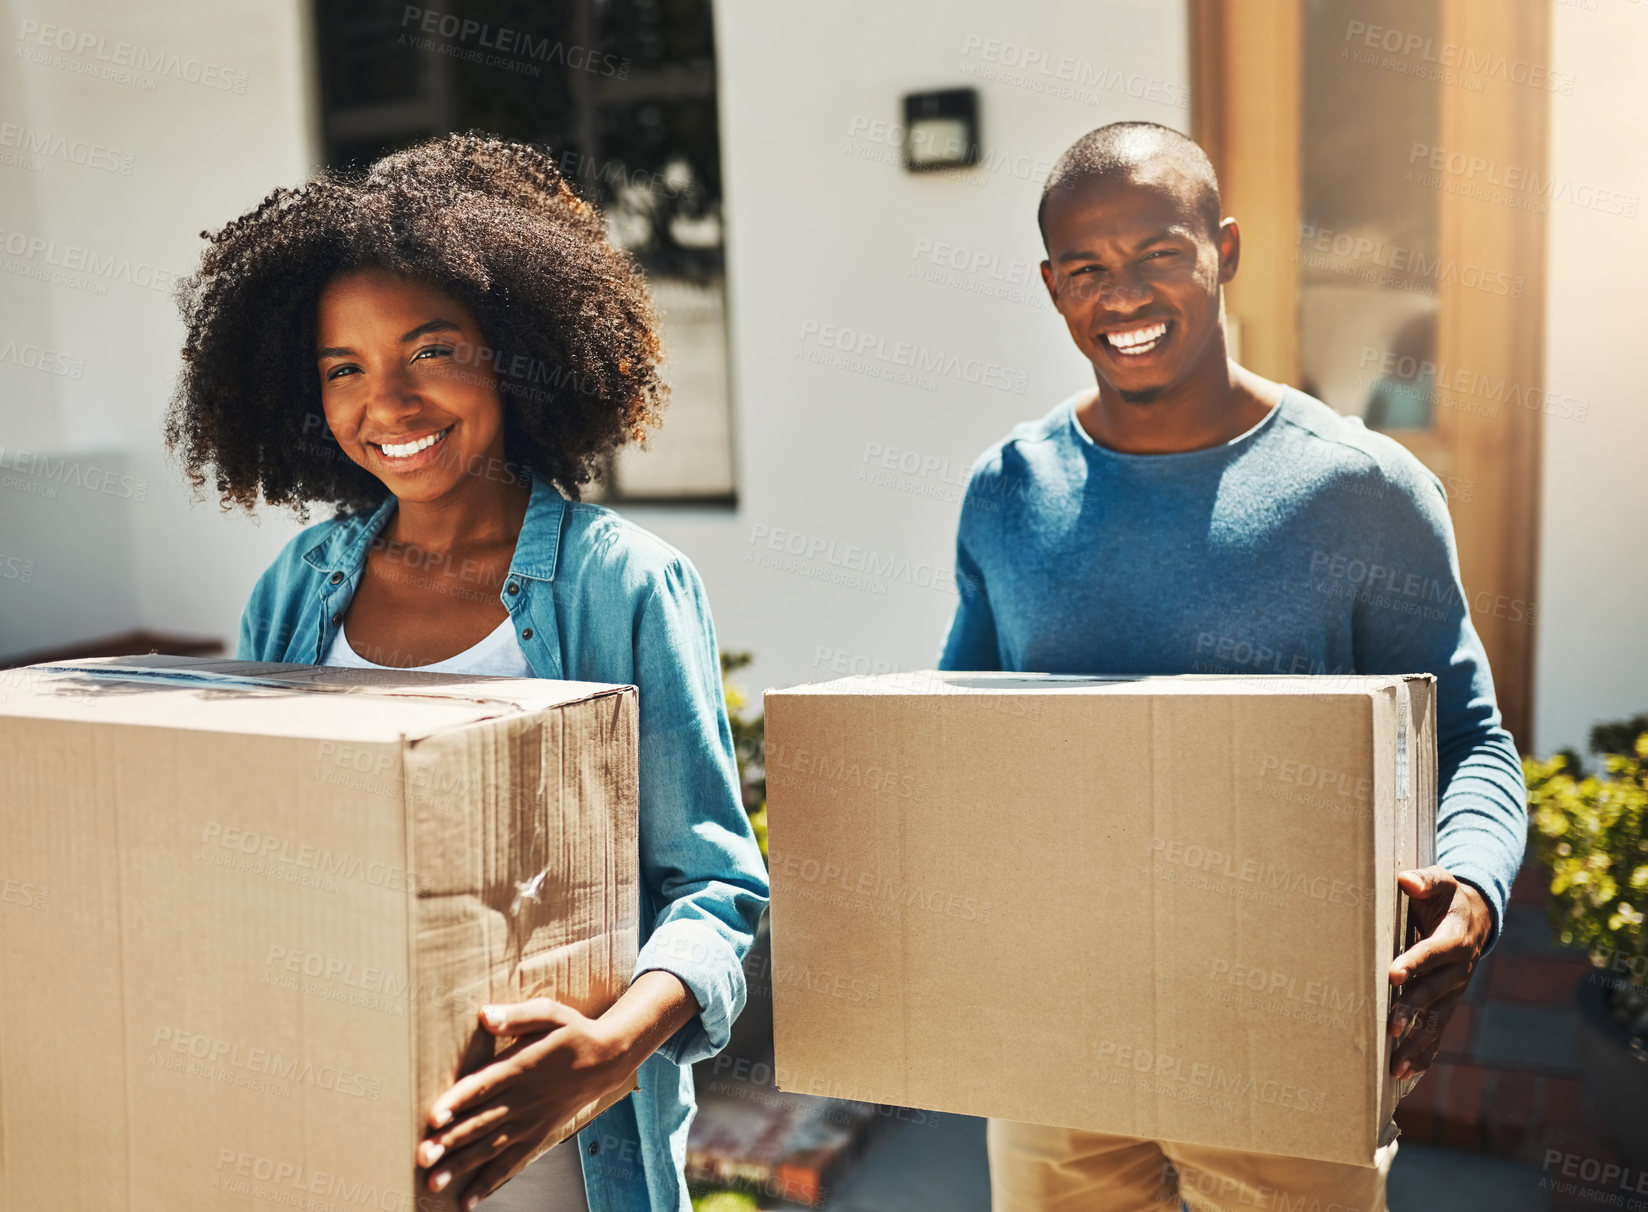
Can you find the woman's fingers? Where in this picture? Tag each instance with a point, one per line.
(491, 1176)
(465, 1131)
(524, 1018)
(470, 1093)
(452, 1169)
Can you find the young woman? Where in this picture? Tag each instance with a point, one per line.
(445, 349)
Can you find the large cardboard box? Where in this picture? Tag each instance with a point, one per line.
(1162, 907)
(251, 911)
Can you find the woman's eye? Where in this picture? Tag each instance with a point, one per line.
(438, 350)
(338, 372)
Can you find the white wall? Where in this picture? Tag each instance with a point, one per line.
(1592, 652)
(187, 155)
(824, 229)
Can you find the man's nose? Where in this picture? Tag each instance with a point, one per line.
(1115, 292)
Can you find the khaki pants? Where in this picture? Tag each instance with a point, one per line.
(1039, 1169)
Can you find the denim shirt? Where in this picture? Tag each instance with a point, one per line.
(595, 598)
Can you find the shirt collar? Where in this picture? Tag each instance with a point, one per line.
(536, 551)
(539, 547)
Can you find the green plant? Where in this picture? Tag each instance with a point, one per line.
(748, 744)
(1589, 832)
(725, 1201)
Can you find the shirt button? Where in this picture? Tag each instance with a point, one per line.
(514, 588)
(336, 577)
(337, 620)
(594, 1149)
(527, 634)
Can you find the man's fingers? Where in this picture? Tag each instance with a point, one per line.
(523, 1018)
(1422, 994)
(1415, 1054)
(1425, 883)
(1448, 943)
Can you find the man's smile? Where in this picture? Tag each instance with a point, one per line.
(1137, 340)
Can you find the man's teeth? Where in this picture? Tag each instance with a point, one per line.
(1137, 341)
(412, 448)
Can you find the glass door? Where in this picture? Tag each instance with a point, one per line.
(1386, 160)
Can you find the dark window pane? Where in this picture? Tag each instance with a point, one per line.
(362, 61)
(1368, 231)
(657, 33)
(622, 94)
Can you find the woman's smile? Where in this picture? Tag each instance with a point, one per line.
(410, 453)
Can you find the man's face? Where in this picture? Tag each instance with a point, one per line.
(1135, 272)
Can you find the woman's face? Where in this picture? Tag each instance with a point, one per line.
(407, 384)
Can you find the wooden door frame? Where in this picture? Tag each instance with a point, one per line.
(1246, 91)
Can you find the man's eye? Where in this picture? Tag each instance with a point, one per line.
(1161, 252)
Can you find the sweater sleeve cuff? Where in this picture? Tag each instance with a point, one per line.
(1492, 893)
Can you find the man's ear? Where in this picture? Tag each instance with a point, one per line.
(1047, 281)
(1230, 249)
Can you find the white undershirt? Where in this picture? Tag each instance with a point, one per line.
(555, 1182)
(497, 655)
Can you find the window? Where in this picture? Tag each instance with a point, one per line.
(622, 94)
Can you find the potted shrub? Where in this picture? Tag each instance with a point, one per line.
(752, 1030)
(1588, 830)
(749, 741)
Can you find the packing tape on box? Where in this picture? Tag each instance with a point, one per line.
(204, 679)
(1404, 712)
(180, 677)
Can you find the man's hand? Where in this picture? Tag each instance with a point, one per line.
(495, 1118)
(1452, 923)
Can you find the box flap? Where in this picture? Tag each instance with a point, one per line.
(960, 682)
(318, 701)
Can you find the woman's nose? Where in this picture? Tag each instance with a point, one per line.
(392, 393)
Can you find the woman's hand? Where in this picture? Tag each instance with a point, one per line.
(492, 1120)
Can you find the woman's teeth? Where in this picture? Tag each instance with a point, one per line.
(412, 448)
(1137, 341)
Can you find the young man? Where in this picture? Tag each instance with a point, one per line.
(1179, 516)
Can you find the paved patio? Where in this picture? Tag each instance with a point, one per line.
(940, 1167)
(1505, 1090)
(1507, 1081)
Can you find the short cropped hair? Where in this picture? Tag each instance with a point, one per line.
(1121, 146)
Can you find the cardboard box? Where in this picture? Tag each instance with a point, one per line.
(1162, 907)
(251, 911)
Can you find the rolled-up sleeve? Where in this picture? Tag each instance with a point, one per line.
(699, 858)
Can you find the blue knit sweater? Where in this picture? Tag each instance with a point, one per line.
(1306, 545)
